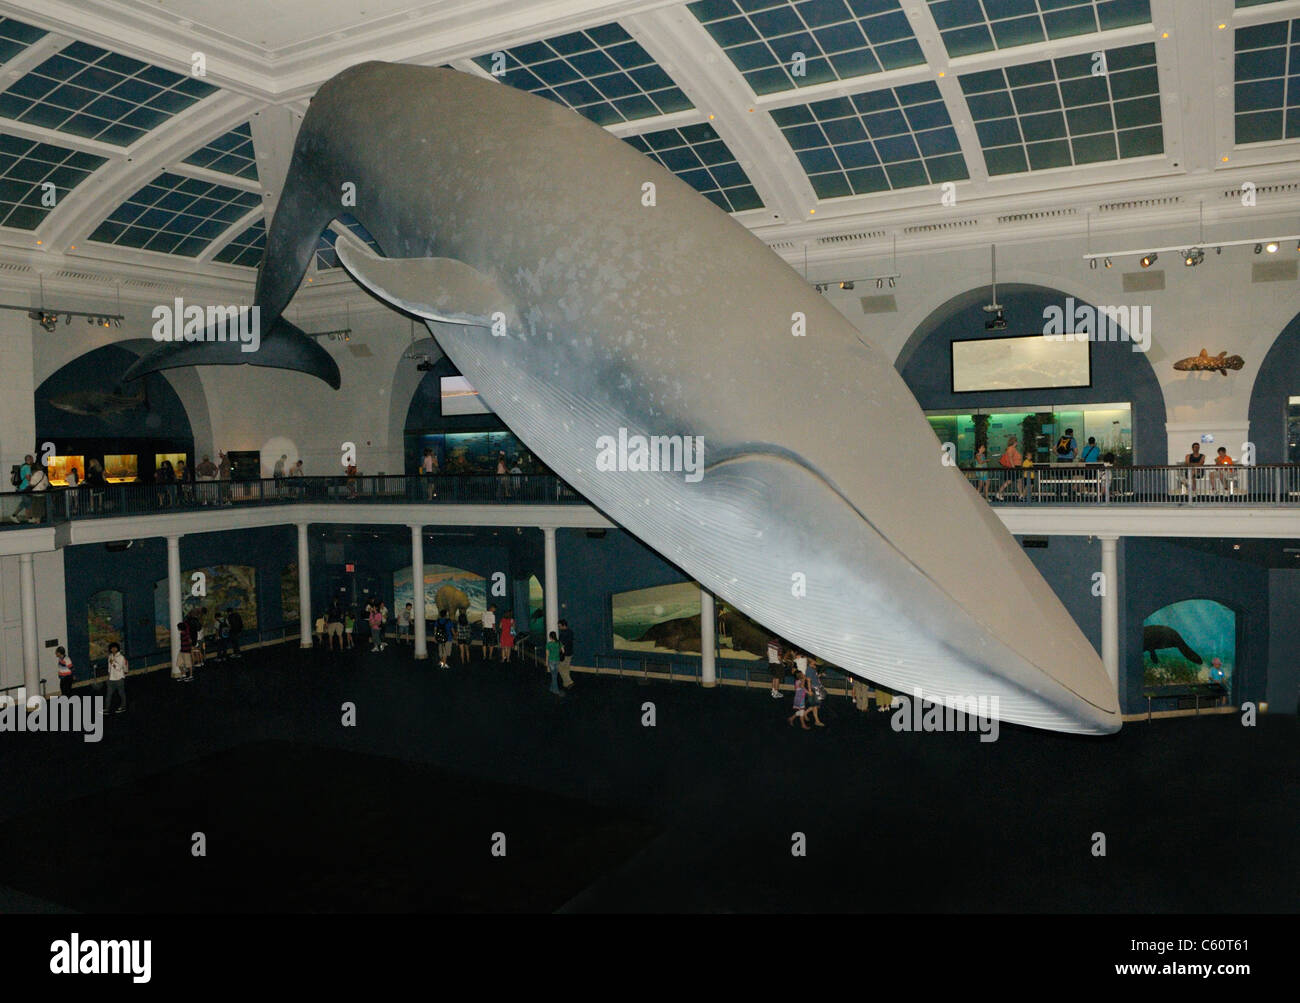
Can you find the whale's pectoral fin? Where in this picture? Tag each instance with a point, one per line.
(440, 289)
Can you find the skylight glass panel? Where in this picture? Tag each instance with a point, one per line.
(1061, 113)
(15, 36)
(230, 154)
(1267, 91)
(32, 174)
(246, 249)
(900, 137)
(779, 46)
(971, 26)
(175, 215)
(90, 92)
(327, 257)
(697, 155)
(601, 73)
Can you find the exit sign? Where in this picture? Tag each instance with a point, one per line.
(349, 568)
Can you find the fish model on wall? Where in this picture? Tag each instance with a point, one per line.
(585, 312)
(1205, 362)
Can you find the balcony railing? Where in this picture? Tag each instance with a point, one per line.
(1058, 484)
(1176, 484)
(64, 504)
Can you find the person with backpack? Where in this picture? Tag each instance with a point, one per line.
(236, 626)
(20, 477)
(443, 631)
(1066, 448)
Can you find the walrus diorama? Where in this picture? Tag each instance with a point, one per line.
(590, 295)
(1157, 637)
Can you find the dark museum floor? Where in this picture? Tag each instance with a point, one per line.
(602, 814)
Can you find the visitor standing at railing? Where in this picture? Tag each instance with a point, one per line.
(429, 470)
(1066, 448)
(205, 474)
(503, 476)
(981, 463)
(1090, 454)
(24, 485)
(70, 499)
(39, 484)
(1196, 461)
(96, 485)
(1009, 461)
(223, 478)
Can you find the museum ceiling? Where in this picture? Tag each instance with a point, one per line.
(152, 134)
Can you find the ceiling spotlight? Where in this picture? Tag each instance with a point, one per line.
(1258, 248)
(1092, 262)
(891, 283)
(1271, 247)
(1107, 263)
(68, 319)
(1149, 259)
(90, 320)
(880, 283)
(820, 287)
(849, 285)
(117, 321)
(1193, 257)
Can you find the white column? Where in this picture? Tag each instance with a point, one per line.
(174, 598)
(417, 591)
(1110, 610)
(31, 653)
(708, 643)
(551, 585)
(305, 618)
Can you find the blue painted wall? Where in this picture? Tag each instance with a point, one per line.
(1283, 689)
(90, 568)
(1118, 373)
(1278, 379)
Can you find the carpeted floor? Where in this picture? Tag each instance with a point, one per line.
(600, 813)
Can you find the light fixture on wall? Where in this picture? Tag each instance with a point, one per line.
(1149, 259)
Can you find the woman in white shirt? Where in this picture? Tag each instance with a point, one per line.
(117, 668)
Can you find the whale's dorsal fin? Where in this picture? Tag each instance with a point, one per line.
(441, 289)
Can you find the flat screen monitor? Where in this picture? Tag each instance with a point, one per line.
(458, 397)
(1020, 362)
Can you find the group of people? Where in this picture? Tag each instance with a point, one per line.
(1018, 469)
(809, 694)
(195, 636)
(1221, 477)
(336, 627)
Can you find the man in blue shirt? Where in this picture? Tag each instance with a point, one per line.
(1091, 454)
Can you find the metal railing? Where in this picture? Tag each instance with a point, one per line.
(84, 502)
(1175, 484)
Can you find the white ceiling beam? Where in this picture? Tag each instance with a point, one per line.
(936, 57)
(40, 134)
(688, 54)
(214, 177)
(113, 183)
(32, 56)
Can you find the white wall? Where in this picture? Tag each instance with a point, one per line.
(51, 618)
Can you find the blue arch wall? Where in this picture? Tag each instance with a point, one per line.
(1278, 379)
(1118, 372)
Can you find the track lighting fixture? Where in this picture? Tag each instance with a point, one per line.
(1193, 257)
(1149, 259)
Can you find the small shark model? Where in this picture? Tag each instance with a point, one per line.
(97, 403)
(1205, 362)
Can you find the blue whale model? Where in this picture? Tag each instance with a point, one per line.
(683, 378)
